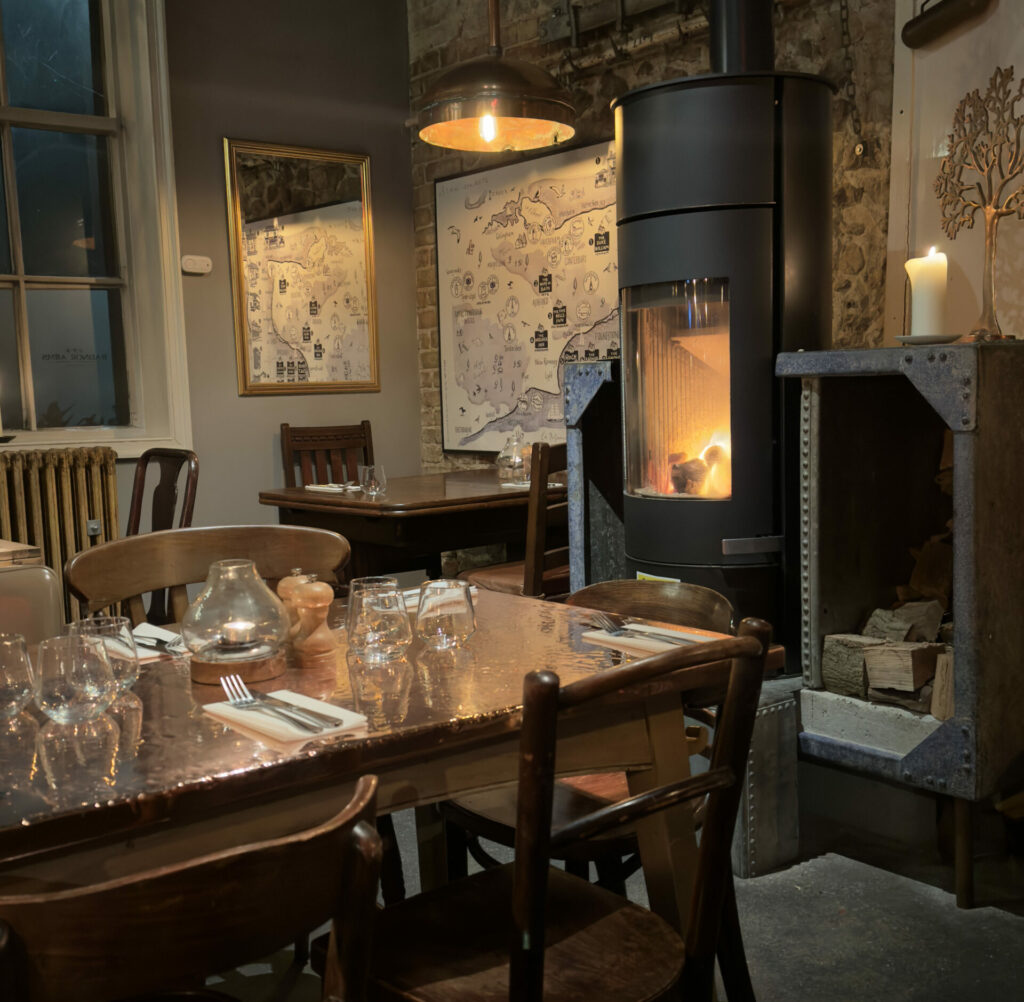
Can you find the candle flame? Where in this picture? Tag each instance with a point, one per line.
(931, 251)
(488, 128)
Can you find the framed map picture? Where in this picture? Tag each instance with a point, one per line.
(527, 280)
(301, 269)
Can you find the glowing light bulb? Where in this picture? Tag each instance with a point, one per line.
(488, 128)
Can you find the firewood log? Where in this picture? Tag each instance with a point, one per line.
(842, 663)
(904, 666)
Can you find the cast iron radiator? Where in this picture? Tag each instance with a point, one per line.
(48, 498)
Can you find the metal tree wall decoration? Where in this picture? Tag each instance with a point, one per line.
(986, 144)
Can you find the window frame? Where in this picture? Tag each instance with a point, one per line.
(141, 157)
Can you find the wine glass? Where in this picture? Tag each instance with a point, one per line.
(74, 681)
(116, 634)
(373, 480)
(16, 682)
(378, 623)
(445, 617)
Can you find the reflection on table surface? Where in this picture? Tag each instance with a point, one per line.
(156, 741)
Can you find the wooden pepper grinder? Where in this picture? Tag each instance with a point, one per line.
(314, 640)
(286, 593)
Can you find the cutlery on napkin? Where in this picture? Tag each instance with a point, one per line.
(274, 730)
(643, 640)
(152, 642)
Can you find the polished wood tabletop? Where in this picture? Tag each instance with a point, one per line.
(438, 724)
(417, 519)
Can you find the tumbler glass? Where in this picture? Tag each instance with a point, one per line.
(373, 480)
(16, 683)
(378, 623)
(445, 615)
(74, 681)
(116, 634)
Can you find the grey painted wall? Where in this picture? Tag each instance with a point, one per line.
(318, 73)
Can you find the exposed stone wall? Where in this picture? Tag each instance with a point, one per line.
(659, 46)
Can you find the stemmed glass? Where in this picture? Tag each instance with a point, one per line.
(74, 681)
(378, 624)
(445, 617)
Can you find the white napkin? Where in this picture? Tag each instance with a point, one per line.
(411, 597)
(155, 633)
(642, 646)
(326, 488)
(274, 730)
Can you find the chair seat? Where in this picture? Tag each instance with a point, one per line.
(451, 944)
(491, 814)
(508, 578)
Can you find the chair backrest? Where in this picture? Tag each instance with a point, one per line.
(327, 454)
(546, 521)
(126, 569)
(165, 491)
(668, 601)
(159, 928)
(727, 672)
(31, 602)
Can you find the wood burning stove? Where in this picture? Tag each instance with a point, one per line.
(724, 231)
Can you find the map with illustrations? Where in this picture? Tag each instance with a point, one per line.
(527, 272)
(306, 309)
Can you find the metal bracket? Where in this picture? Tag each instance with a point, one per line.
(751, 544)
(948, 380)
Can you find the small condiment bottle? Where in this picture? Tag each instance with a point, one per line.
(312, 600)
(286, 593)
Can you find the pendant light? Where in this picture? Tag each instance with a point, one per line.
(492, 104)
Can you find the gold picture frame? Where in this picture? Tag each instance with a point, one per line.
(302, 274)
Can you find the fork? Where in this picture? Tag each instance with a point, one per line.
(241, 698)
(613, 629)
(313, 716)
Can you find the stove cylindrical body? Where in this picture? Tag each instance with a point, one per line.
(724, 216)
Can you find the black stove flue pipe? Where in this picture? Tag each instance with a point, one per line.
(742, 36)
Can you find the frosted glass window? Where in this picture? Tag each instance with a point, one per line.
(10, 378)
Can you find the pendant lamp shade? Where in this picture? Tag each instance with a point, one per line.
(492, 104)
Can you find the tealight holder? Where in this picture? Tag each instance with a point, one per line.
(236, 626)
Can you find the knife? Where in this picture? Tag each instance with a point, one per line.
(300, 711)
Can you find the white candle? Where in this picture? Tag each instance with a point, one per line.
(927, 294)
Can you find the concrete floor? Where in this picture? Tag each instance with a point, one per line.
(832, 928)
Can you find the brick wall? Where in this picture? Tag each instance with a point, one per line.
(659, 46)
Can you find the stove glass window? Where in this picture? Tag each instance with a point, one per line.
(676, 363)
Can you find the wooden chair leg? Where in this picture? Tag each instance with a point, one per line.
(578, 868)
(457, 851)
(732, 958)
(392, 880)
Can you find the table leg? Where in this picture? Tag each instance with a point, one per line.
(667, 840)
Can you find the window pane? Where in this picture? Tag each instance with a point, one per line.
(10, 377)
(78, 363)
(54, 56)
(64, 203)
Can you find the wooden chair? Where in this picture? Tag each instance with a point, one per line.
(168, 927)
(544, 573)
(328, 454)
(491, 815)
(528, 931)
(164, 503)
(123, 570)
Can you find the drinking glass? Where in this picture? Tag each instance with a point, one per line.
(445, 618)
(373, 480)
(74, 681)
(16, 683)
(378, 623)
(116, 634)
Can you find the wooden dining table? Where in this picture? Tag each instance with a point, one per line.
(417, 519)
(439, 724)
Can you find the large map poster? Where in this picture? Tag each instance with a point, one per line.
(527, 273)
(306, 309)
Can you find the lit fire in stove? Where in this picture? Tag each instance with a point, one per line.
(705, 475)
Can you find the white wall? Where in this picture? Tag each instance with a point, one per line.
(929, 84)
(320, 74)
